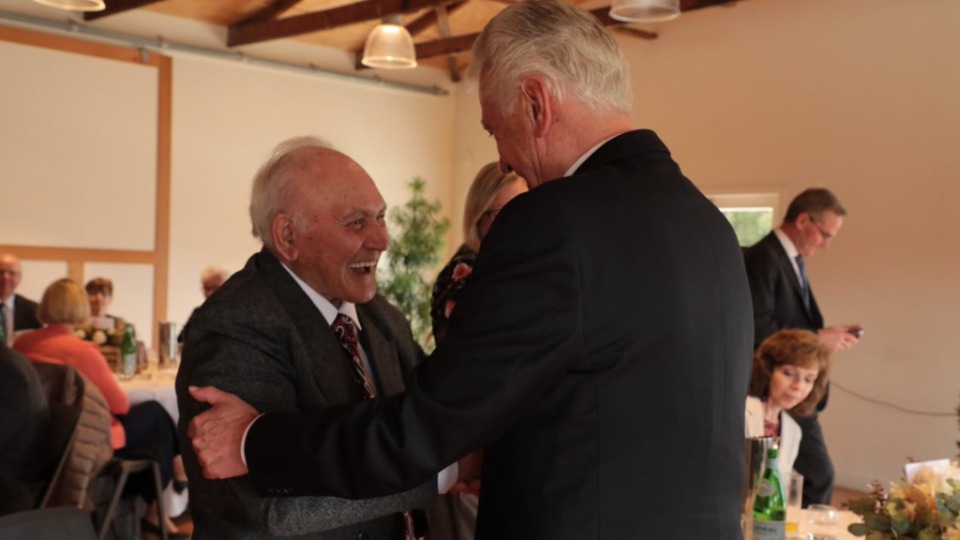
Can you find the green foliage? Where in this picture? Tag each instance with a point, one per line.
(750, 225)
(921, 510)
(416, 237)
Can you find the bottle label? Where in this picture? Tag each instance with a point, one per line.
(765, 488)
(129, 363)
(769, 530)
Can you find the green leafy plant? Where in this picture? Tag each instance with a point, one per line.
(416, 238)
(925, 509)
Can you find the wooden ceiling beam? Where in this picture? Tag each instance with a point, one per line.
(424, 21)
(451, 45)
(270, 12)
(117, 6)
(443, 22)
(244, 34)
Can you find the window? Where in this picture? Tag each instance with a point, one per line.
(751, 214)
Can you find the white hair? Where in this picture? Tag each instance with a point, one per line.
(566, 46)
(272, 183)
(214, 270)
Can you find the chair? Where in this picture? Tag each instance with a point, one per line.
(63, 426)
(122, 469)
(47, 524)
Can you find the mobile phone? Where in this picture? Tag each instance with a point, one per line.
(857, 332)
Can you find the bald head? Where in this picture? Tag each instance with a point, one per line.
(9, 274)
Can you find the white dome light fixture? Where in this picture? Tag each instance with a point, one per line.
(75, 5)
(390, 46)
(645, 11)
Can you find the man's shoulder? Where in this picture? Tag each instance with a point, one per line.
(24, 300)
(765, 250)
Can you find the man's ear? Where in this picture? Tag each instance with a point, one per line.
(282, 232)
(537, 101)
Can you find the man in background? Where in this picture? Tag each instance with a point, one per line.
(212, 278)
(300, 328)
(782, 298)
(16, 312)
(601, 352)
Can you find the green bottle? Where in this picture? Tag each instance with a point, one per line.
(128, 352)
(769, 507)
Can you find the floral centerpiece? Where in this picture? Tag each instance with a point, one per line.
(104, 334)
(926, 508)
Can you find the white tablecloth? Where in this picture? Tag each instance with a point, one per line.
(159, 388)
(844, 519)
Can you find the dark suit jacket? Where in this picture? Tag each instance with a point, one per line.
(25, 314)
(600, 353)
(24, 432)
(262, 338)
(777, 297)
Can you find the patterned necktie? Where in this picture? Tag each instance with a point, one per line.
(804, 284)
(346, 332)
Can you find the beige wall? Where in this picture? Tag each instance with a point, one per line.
(860, 96)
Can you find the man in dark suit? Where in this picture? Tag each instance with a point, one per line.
(24, 432)
(266, 336)
(601, 352)
(782, 298)
(23, 310)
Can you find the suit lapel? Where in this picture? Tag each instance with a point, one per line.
(786, 268)
(381, 352)
(332, 372)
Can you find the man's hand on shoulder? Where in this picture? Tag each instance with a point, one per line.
(217, 434)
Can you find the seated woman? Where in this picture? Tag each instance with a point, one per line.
(101, 327)
(790, 374)
(143, 431)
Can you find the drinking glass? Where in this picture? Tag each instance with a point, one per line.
(794, 489)
(822, 522)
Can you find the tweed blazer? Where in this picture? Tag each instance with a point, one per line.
(261, 338)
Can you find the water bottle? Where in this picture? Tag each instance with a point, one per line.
(128, 352)
(769, 506)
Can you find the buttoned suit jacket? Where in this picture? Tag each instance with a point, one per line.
(25, 314)
(600, 353)
(261, 338)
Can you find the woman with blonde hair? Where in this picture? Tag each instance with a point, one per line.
(791, 370)
(490, 191)
(143, 431)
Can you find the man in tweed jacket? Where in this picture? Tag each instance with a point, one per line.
(265, 336)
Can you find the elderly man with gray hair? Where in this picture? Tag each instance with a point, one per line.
(600, 354)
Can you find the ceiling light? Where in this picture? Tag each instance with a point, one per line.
(75, 5)
(389, 46)
(646, 11)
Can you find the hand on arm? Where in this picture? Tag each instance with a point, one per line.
(217, 434)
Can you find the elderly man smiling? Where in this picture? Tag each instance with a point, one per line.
(271, 336)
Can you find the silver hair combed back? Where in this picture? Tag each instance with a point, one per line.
(565, 45)
(273, 180)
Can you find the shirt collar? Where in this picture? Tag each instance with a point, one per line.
(576, 164)
(328, 310)
(8, 301)
(787, 244)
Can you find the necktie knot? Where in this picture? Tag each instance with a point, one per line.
(345, 330)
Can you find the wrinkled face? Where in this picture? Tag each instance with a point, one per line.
(816, 233)
(790, 385)
(99, 302)
(345, 230)
(514, 136)
(9, 275)
(210, 285)
(505, 195)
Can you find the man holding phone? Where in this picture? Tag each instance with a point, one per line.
(782, 298)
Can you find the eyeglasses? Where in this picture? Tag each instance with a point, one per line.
(823, 234)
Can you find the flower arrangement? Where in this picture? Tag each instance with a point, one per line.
(925, 508)
(112, 335)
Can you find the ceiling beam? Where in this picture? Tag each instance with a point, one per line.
(443, 22)
(270, 12)
(244, 34)
(424, 21)
(117, 6)
(451, 45)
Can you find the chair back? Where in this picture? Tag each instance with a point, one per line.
(47, 524)
(63, 429)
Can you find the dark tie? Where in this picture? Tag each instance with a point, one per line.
(804, 284)
(3, 322)
(346, 332)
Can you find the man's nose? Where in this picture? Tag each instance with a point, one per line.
(378, 238)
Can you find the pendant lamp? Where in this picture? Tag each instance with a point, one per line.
(389, 46)
(644, 11)
(75, 5)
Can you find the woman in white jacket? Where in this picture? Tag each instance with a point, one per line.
(790, 373)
